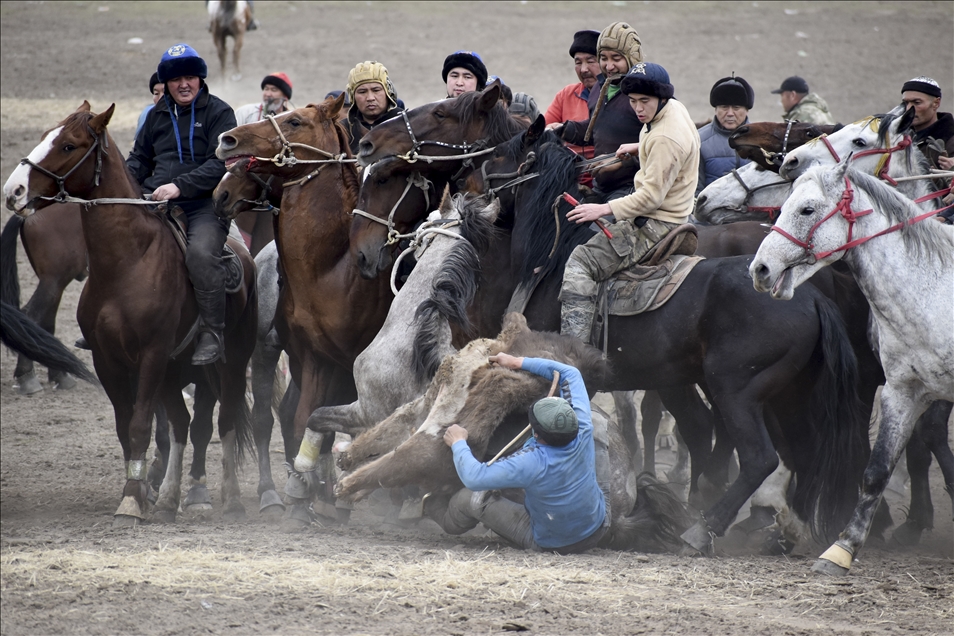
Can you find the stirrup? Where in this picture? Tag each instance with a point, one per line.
(202, 357)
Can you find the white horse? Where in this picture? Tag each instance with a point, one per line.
(750, 193)
(904, 263)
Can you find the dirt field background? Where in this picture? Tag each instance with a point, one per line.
(63, 568)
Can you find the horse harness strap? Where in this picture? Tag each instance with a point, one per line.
(414, 179)
(286, 156)
(262, 204)
(427, 229)
(881, 171)
(771, 211)
(101, 143)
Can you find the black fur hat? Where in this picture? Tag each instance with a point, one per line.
(469, 60)
(153, 80)
(584, 42)
(732, 91)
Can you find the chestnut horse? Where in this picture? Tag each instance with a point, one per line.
(766, 143)
(229, 18)
(138, 308)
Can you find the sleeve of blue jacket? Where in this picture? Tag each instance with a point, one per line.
(523, 467)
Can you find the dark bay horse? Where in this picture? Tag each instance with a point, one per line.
(766, 143)
(137, 307)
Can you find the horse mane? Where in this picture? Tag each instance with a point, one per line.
(500, 127)
(904, 118)
(454, 287)
(558, 170)
(349, 173)
(86, 116)
(925, 238)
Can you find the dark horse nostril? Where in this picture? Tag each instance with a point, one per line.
(365, 147)
(701, 200)
(227, 142)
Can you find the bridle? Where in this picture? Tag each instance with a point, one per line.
(844, 209)
(412, 155)
(881, 170)
(771, 211)
(262, 204)
(516, 177)
(415, 179)
(286, 156)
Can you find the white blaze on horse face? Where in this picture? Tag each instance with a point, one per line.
(17, 188)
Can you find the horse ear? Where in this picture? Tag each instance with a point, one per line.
(100, 121)
(906, 120)
(489, 98)
(447, 206)
(535, 131)
(84, 107)
(335, 107)
(491, 211)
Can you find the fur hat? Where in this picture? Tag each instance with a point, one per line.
(647, 78)
(732, 91)
(469, 60)
(280, 81)
(924, 85)
(554, 421)
(370, 71)
(153, 80)
(181, 60)
(623, 38)
(584, 42)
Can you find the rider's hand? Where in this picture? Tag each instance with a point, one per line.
(454, 433)
(166, 192)
(946, 163)
(507, 361)
(628, 149)
(557, 128)
(589, 212)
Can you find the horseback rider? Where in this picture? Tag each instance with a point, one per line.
(732, 98)
(923, 94)
(801, 104)
(276, 98)
(156, 89)
(570, 104)
(611, 120)
(663, 199)
(566, 509)
(174, 158)
(463, 72)
(373, 100)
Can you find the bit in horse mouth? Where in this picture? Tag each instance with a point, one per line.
(231, 162)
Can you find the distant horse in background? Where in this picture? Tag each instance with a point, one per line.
(53, 241)
(229, 18)
(904, 263)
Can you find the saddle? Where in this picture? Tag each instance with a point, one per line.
(234, 272)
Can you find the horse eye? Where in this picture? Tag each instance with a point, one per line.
(381, 180)
(69, 148)
(808, 211)
(294, 123)
(438, 114)
(859, 142)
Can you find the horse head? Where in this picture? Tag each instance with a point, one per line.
(69, 159)
(872, 141)
(766, 143)
(393, 198)
(290, 144)
(241, 190)
(747, 194)
(449, 127)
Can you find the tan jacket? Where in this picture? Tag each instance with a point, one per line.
(669, 169)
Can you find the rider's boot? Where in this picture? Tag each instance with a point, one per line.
(210, 343)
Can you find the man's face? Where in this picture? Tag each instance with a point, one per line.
(459, 81)
(273, 98)
(925, 107)
(613, 63)
(731, 117)
(587, 68)
(185, 89)
(157, 92)
(789, 99)
(371, 99)
(645, 106)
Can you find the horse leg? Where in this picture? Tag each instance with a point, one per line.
(198, 500)
(237, 40)
(936, 437)
(899, 412)
(170, 393)
(694, 421)
(650, 410)
(161, 459)
(41, 308)
(220, 46)
(235, 429)
(929, 435)
(626, 420)
(121, 394)
(264, 367)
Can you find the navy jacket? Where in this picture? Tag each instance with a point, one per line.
(718, 158)
(157, 158)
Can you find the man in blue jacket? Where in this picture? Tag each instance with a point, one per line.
(174, 158)
(565, 510)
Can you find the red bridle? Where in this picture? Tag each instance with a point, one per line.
(882, 171)
(844, 208)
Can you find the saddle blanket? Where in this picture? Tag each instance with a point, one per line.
(645, 288)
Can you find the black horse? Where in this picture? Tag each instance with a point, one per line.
(777, 374)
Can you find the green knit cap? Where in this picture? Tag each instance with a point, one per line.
(554, 420)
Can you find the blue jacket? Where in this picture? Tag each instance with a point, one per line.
(563, 500)
(718, 158)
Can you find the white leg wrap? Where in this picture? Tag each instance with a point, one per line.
(837, 555)
(136, 469)
(307, 457)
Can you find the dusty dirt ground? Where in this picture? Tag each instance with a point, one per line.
(65, 570)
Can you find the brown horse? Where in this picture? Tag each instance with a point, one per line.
(766, 143)
(137, 306)
(53, 241)
(327, 313)
(229, 18)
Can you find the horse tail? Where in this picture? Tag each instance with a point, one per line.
(826, 494)
(656, 522)
(24, 336)
(454, 290)
(9, 278)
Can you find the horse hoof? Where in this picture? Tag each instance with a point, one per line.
(827, 568)
(198, 498)
(297, 519)
(270, 504)
(164, 516)
(759, 517)
(28, 384)
(775, 543)
(699, 538)
(297, 487)
(63, 382)
(125, 521)
(907, 535)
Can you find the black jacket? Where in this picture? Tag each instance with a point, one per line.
(357, 128)
(942, 130)
(616, 124)
(156, 158)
